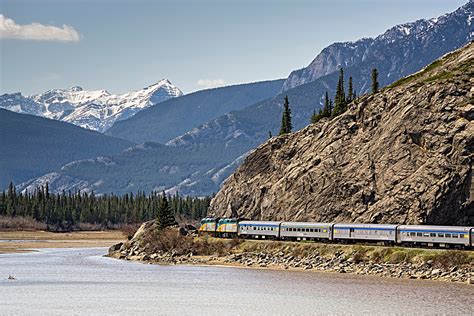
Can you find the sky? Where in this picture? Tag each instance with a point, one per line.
(123, 45)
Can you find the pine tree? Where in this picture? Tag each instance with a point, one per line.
(340, 97)
(286, 125)
(316, 116)
(165, 216)
(327, 108)
(270, 134)
(350, 92)
(375, 82)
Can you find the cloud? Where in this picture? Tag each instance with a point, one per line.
(210, 83)
(36, 31)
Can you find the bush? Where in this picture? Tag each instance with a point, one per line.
(20, 223)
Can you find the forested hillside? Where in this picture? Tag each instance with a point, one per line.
(32, 146)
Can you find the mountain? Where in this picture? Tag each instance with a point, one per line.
(95, 110)
(400, 51)
(403, 155)
(225, 140)
(32, 146)
(177, 116)
(145, 167)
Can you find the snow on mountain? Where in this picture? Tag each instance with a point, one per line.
(96, 110)
(394, 53)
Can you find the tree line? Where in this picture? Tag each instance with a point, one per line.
(330, 108)
(66, 211)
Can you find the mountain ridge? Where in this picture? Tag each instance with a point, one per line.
(413, 38)
(32, 145)
(95, 110)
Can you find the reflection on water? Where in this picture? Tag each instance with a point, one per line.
(81, 281)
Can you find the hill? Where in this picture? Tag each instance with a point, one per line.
(403, 155)
(32, 146)
(177, 116)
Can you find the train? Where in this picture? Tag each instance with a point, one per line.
(385, 234)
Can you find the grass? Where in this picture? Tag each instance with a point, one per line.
(445, 75)
(21, 241)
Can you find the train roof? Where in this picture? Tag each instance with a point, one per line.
(263, 223)
(435, 228)
(305, 224)
(386, 226)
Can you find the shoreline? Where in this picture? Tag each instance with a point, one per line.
(289, 269)
(27, 241)
(337, 261)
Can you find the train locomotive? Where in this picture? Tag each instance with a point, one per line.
(386, 234)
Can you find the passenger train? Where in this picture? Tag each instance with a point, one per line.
(387, 234)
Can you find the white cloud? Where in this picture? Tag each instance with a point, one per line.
(210, 83)
(36, 31)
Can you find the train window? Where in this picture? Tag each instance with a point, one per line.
(455, 235)
(461, 236)
(426, 235)
(432, 234)
(412, 234)
(440, 235)
(419, 234)
(447, 235)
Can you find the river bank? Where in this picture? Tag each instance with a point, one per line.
(24, 241)
(396, 262)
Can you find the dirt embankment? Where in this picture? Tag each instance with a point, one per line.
(24, 241)
(170, 247)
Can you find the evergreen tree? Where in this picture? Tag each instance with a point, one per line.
(286, 125)
(327, 108)
(65, 211)
(375, 82)
(165, 216)
(316, 116)
(270, 134)
(350, 92)
(340, 97)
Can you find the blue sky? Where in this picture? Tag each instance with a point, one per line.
(125, 45)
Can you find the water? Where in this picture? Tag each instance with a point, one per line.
(81, 281)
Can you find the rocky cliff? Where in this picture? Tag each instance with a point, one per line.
(403, 155)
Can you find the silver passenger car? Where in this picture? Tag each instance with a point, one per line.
(305, 230)
(370, 232)
(259, 229)
(442, 236)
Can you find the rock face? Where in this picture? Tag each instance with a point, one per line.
(403, 155)
(398, 52)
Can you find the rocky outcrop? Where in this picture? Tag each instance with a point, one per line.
(403, 155)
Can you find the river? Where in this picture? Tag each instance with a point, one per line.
(81, 281)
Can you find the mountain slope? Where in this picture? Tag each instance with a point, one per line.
(95, 110)
(32, 146)
(403, 155)
(145, 167)
(400, 51)
(177, 116)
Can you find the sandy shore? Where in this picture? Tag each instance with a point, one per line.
(24, 241)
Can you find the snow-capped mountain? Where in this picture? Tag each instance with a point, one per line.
(401, 50)
(96, 110)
